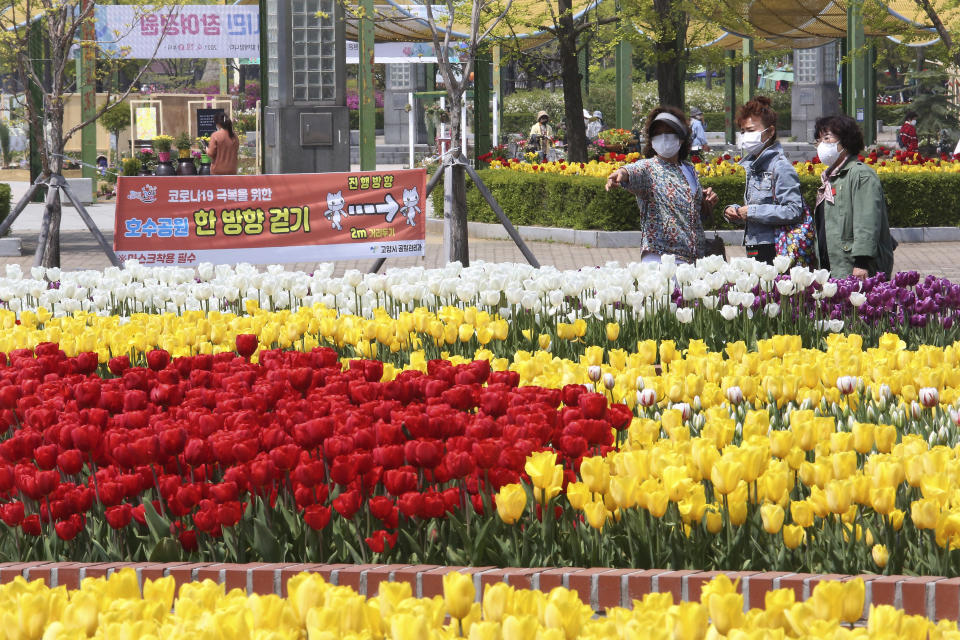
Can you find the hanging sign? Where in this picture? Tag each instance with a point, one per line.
(184, 31)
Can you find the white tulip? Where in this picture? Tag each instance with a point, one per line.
(829, 289)
(594, 372)
(781, 263)
(846, 384)
(857, 299)
(785, 287)
(929, 397)
(735, 395)
(685, 315)
(647, 397)
(728, 312)
(609, 381)
(772, 309)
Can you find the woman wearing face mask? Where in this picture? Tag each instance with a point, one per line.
(853, 233)
(669, 195)
(772, 196)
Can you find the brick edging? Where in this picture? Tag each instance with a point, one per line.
(931, 596)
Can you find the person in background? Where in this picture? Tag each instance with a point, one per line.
(853, 232)
(907, 137)
(772, 192)
(544, 135)
(698, 133)
(595, 126)
(672, 203)
(223, 148)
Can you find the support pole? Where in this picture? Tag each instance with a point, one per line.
(87, 81)
(870, 101)
(481, 106)
(504, 220)
(58, 182)
(49, 204)
(624, 97)
(856, 77)
(583, 59)
(463, 126)
(729, 97)
(368, 140)
(411, 125)
(749, 71)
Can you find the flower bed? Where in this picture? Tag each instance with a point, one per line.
(313, 608)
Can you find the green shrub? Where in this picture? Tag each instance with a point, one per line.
(4, 201)
(355, 119)
(580, 202)
(891, 114)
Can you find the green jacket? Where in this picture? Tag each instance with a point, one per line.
(854, 230)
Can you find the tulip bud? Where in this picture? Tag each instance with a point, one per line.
(589, 387)
(880, 555)
(846, 384)
(697, 403)
(640, 383)
(735, 395)
(916, 411)
(647, 397)
(698, 421)
(932, 438)
(929, 397)
(684, 409)
(955, 416)
(943, 433)
(886, 393)
(609, 381)
(871, 414)
(594, 372)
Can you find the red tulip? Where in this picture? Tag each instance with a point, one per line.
(158, 359)
(381, 540)
(316, 516)
(119, 516)
(12, 513)
(347, 503)
(188, 540)
(247, 344)
(118, 364)
(31, 525)
(70, 462)
(68, 529)
(410, 504)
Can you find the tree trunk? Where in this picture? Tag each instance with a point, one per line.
(670, 50)
(709, 78)
(55, 145)
(455, 240)
(242, 85)
(572, 90)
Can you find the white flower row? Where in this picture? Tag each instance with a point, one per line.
(610, 291)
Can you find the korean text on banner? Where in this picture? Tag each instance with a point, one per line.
(181, 31)
(270, 218)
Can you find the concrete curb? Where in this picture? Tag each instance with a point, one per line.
(933, 597)
(626, 239)
(10, 246)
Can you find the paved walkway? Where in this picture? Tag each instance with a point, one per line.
(80, 251)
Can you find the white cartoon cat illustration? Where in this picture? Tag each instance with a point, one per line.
(411, 200)
(334, 210)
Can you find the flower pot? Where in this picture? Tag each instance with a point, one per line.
(145, 172)
(187, 167)
(204, 166)
(163, 156)
(184, 153)
(165, 168)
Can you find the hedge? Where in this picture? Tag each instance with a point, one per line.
(4, 201)
(580, 202)
(355, 119)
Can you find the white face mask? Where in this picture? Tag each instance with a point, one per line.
(666, 145)
(828, 152)
(751, 141)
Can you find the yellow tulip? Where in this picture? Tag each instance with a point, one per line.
(726, 611)
(408, 626)
(519, 627)
(564, 611)
(596, 513)
(458, 594)
(511, 500)
(852, 600)
(595, 473)
(391, 594)
(772, 516)
(578, 495)
(497, 601)
(827, 600)
(793, 536)
(880, 555)
(725, 475)
(613, 331)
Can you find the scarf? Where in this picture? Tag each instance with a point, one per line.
(825, 191)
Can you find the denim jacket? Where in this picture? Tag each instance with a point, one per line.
(772, 195)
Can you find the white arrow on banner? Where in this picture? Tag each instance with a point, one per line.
(388, 208)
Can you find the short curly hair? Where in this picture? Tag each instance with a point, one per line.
(648, 151)
(846, 129)
(760, 107)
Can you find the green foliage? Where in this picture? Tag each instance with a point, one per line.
(580, 202)
(184, 142)
(355, 119)
(5, 143)
(117, 118)
(131, 166)
(4, 201)
(933, 105)
(891, 114)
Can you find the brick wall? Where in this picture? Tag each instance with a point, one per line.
(934, 597)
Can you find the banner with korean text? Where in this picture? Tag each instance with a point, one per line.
(184, 220)
(179, 31)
